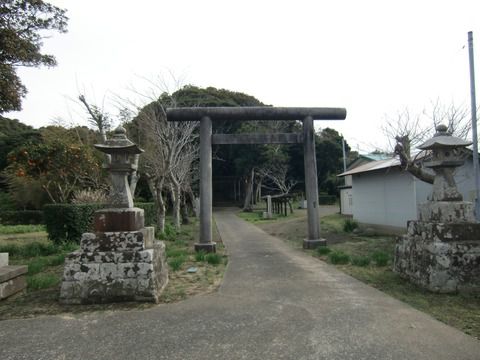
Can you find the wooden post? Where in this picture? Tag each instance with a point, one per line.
(311, 186)
(205, 242)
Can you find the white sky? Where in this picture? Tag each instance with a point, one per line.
(374, 58)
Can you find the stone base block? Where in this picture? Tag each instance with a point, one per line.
(12, 280)
(447, 212)
(433, 257)
(313, 244)
(207, 247)
(112, 220)
(3, 259)
(115, 275)
(118, 241)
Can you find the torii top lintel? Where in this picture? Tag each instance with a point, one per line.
(255, 113)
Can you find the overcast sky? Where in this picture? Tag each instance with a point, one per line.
(374, 58)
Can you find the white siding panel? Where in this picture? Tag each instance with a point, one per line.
(346, 199)
(384, 197)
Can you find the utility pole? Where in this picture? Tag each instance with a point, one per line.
(474, 125)
(344, 159)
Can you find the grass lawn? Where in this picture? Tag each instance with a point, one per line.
(369, 259)
(30, 246)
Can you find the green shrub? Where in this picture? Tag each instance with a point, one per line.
(176, 263)
(21, 217)
(38, 249)
(213, 258)
(69, 247)
(150, 212)
(42, 281)
(175, 252)
(37, 265)
(323, 250)
(327, 199)
(349, 225)
(11, 249)
(200, 255)
(67, 222)
(360, 261)
(6, 202)
(34, 249)
(56, 260)
(338, 257)
(169, 233)
(380, 258)
(20, 229)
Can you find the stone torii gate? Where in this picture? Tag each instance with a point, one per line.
(208, 114)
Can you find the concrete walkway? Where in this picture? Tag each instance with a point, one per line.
(275, 303)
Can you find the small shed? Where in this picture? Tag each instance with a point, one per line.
(385, 195)
(346, 190)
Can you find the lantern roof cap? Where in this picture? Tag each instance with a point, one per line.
(443, 139)
(119, 143)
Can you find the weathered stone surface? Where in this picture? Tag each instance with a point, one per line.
(112, 220)
(12, 271)
(12, 280)
(446, 211)
(12, 286)
(3, 259)
(433, 256)
(113, 241)
(113, 276)
(446, 232)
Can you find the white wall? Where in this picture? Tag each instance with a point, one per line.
(384, 197)
(346, 201)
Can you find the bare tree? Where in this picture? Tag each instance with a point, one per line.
(169, 154)
(410, 131)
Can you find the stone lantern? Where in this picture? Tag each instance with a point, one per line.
(120, 260)
(120, 214)
(441, 250)
(446, 156)
(122, 152)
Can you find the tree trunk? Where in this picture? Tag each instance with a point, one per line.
(156, 188)
(134, 177)
(184, 209)
(176, 201)
(247, 204)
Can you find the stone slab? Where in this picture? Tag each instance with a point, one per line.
(113, 220)
(446, 211)
(446, 232)
(3, 259)
(12, 286)
(12, 271)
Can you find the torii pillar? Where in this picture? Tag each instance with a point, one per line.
(207, 114)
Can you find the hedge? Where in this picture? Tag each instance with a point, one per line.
(327, 199)
(149, 211)
(21, 217)
(67, 222)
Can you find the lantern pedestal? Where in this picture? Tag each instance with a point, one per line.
(441, 251)
(115, 266)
